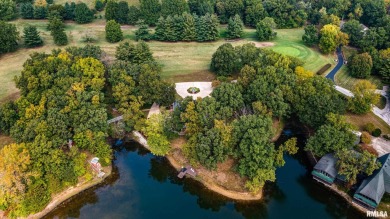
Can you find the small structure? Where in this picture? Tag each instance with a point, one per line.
(186, 170)
(325, 170)
(372, 189)
(155, 109)
(97, 167)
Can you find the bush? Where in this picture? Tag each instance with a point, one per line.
(365, 138)
(377, 132)
(387, 137)
(99, 5)
(113, 32)
(193, 90)
(83, 14)
(369, 127)
(31, 37)
(324, 69)
(215, 83)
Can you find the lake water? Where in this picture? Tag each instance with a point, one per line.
(145, 186)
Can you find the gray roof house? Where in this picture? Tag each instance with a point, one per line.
(325, 170)
(372, 189)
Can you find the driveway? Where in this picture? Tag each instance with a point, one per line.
(205, 89)
(340, 63)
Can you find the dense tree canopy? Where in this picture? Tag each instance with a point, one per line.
(360, 65)
(82, 13)
(331, 37)
(364, 97)
(113, 32)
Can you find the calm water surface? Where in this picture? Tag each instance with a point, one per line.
(145, 186)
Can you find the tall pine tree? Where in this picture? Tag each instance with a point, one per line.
(174, 7)
(150, 11)
(189, 31)
(31, 37)
(235, 27)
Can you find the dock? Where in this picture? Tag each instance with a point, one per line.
(186, 170)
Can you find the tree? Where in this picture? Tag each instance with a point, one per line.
(360, 65)
(209, 148)
(15, 171)
(56, 26)
(99, 5)
(83, 14)
(230, 98)
(40, 9)
(189, 32)
(157, 141)
(27, 10)
(134, 15)
(113, 32)
(31, 37)
(373, 12)
(8, 37)
(254, 12)
(135, 54)
(8, 116)
(330, 19)
(174, 7)
(7, 10)
(264, 31)
(364, 97)
(111, 11)
(310, 37)
(228, 8)
(302, 73)
(143, 32)
(383, 65)
(354, 30)
(201, 7)
(365, 138)
(235, 27)
(150, 11)
(350, 163)
(122, 15)
(69, 11)
(331, 137)
(225, 60)
(331, 37)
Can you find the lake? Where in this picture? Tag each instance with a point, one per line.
(146, 186)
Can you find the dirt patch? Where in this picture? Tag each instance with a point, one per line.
(263, 44)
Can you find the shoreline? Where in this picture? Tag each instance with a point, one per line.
(205, 180)
(69, 193)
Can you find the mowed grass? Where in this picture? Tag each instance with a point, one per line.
(361, 120)
(343, 78)
(289, 42)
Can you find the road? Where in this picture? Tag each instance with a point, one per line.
(340, 63)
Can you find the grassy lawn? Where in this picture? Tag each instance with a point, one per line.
(289, 42)
(361, 120)
(5, 140)
(343, 79)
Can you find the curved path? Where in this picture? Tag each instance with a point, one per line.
(340, 63)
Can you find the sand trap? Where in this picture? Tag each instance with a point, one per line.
(263, 44)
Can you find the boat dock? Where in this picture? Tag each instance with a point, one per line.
(186, 170)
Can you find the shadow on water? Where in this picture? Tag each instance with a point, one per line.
(145, 186)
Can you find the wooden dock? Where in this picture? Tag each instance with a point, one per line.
(187, 170)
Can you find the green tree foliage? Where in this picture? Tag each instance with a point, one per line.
(355, 32)
(111, 10)
(136, 54)
(142, 33)
(254, 12)
(83, 14)
(157, 141)
(27, 10)
(70, 11)
(40, 12)
(150, 11)
(331, 37)
(31, 36)
(364, 97)
(335, 135)
(264, 32)
(235, 27)
(8, 37)
(57, 31)
(228, 8)
(310, 37)
(7, 10)
(351, 163)
(201, 7)
(229, 97)
(329, 19)
(373, 12)
(207, 28)
(99, 5)
(225, 60)
(56, 10)
(360, 65)
(122, 15)
(134, 15)
(173, 7)
(383, 64)
(285, 14)
(365, 138)
(189, 31)
(314, 98)
(113, 32)
(8, 116)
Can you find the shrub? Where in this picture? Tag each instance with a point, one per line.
(377, 132)
(369, 127)
(83, 14)
(215, 83)
(99, 5)
(365, 138)
(324, 69)
(113, 32)
(31, 37)
(387, 137)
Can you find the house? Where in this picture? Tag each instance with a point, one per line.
(372, 189)
(325, 170)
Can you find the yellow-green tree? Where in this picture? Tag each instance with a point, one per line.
(331, 37)
(154, 130)
(364, 97)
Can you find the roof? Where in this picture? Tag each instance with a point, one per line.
(327, 163)
(377, 183)
(95, 160)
